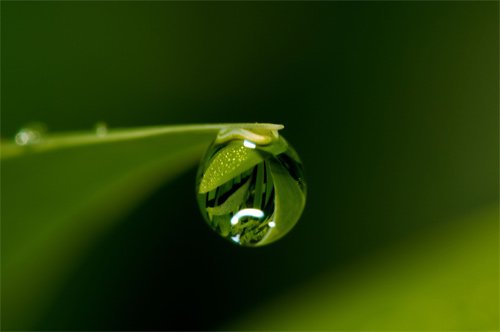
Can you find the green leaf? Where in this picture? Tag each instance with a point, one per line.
(290, 202)
(445, 279)
(232, 203)
(58, 195)
(221, 171)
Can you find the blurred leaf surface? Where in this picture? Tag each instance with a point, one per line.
(445, 279)
(59, 195)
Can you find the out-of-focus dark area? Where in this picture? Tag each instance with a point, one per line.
(392, 106)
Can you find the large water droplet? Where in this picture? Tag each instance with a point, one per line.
(251, 193)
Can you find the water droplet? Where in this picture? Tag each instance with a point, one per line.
(30, 134)
(248, 192)
(101, 129)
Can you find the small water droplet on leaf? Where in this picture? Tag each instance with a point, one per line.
(30, 134)
(101, 129)
(249, 193)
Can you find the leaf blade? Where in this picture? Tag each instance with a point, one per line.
(60, 194)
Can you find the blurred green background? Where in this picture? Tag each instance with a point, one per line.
(393, 107)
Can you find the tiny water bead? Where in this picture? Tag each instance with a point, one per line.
(101, 129)
(250, 186)
(30, 134)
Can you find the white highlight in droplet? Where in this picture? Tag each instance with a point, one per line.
(272, 224)
(249, 144)
(246, 213)
(236, 238)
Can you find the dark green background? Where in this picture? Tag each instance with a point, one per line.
(393, 107)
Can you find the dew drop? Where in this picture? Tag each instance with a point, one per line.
(101, 129)
(30, 134)
(249, 192)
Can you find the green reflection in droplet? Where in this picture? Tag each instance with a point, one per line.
(250, 186)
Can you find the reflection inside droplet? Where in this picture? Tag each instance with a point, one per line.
(249, 144)
(250, 193)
